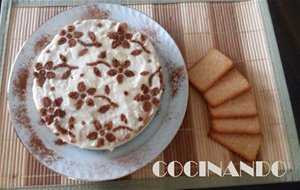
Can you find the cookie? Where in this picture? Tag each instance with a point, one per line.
(245, 145)
(209, 69)
(229, 86)
(240, 106)
(248, 125)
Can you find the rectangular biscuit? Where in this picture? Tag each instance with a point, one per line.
(209, 69)
(241, 106)
(248, 125)
(245, 145)
(229, 86)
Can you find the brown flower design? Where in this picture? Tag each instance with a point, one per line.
(110, 104)
(51, 109)
(101, 133)
(81, 95)
(120, 38)
(96, 71)
(120, 70)
(63, 131)
(105, 131)
(69, 36)
(44, 72)
(148, 97)
(67, 73)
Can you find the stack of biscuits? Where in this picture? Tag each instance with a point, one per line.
(231, 104)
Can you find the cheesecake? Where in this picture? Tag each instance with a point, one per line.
(97, 84)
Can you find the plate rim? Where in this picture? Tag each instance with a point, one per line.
(153, 156)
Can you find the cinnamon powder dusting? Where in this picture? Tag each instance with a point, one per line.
(150, 33)
(40, 149)
(176, 75)
(20, 83)
(42, 42)
(19, 89)
(59, 142)
(22, 117)
(36, 144)
(93, 12)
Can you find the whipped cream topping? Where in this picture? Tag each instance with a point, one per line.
(97, 84)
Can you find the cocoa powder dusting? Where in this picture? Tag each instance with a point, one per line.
(20, 83)
(22, 117)
(36, 144)
(176, 75)
(59, 142)
(39, 148)
(93, 12)
(41, 43)
(150, 33)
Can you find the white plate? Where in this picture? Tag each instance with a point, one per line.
(94, 165)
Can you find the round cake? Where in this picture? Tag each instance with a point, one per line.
(97, 84)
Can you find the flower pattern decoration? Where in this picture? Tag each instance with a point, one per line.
(46, 71)
(63, 131)
(120, 38)
(69, 35)
(97, 98)
(51, 109)
(120, 70)
(102, 132)
(95, 69)
(147, 97)
(105, 132)
(43, 72)
(81, 95)
(110, 104)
